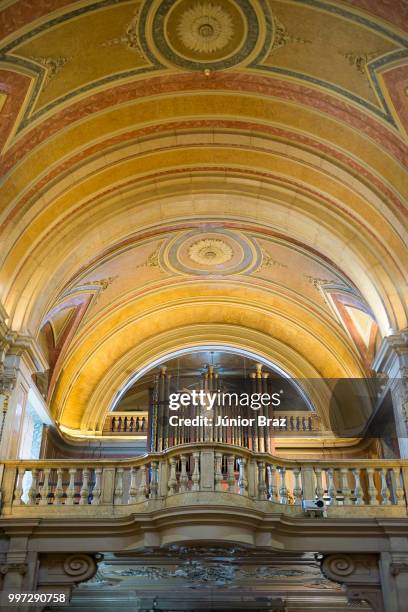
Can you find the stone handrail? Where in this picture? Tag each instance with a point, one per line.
(377, 485)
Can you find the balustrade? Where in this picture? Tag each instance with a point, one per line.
(132, 423)
(223, 470)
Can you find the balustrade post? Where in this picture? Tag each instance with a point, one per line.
(308, 484)
(84, 493)
(252, 479)
(118, 493)
(230, 473)
(59, 491)
(44, 488)
(319, 485)
(163, 478)
(19, 487)
(71, 488)
(173, 477)
(331, 488)
(132, 487)
(261, 480)
(154, 484)
(242, 482)
(32, 493)
(142, 490)
(344, 486)
(297, 489)
(358, 493)
(207, 470)
(96, 492)
(385, 494)
(372, 490)
(183, 474)
(398, 490)
(283, 492)
(218, 472)
(196, 473)
(272, 488)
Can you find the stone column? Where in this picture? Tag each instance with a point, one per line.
(392, 360)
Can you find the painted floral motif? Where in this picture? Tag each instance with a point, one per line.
(205, 28)
(210, 252)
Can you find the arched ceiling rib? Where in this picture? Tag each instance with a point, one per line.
(112, 149)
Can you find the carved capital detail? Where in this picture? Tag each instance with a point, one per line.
(20, 568)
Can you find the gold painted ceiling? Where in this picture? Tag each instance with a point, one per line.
(177, 173)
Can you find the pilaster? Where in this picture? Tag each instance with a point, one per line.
(392, 360)
(20, 358)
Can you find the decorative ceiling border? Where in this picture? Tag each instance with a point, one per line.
(39, 71)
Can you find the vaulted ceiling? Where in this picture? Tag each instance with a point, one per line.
(177, 173)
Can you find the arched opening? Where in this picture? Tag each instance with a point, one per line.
(211, 393)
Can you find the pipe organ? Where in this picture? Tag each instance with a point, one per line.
(256, 437)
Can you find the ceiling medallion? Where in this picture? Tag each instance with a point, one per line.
(210, 252)
(205, 28)
(203, 34)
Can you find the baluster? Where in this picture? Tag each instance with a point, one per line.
(32, 493)
(142, 490)
(319, 485)
(297, 489)
(173, 477)
(44, 488)
(283, 492)
(398, 490)
(19, 487)
(59, 491)
(132, 487)
(358, 493)
(154, 482)
(243, 481)
(230, 473)
(261, 480)
(183, 474)
(344, 486)
(143, 424)
(118, 493)
(196, 473)
(218, 472)
(385, 494)
(71, 488)
(372, 491)
(125, 424)
(331, 489)
(84, 493)
(96, 492)
(113, 423)
(272, 488)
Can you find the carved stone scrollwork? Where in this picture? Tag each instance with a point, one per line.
(337, 566)
(359, 575)
(20, 568)
(67, 570)
(80, 567)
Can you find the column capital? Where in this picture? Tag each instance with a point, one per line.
(392, 356)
